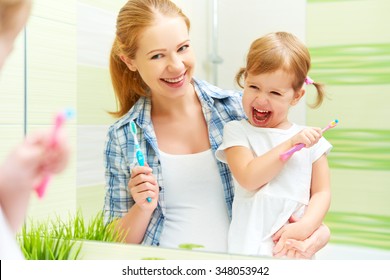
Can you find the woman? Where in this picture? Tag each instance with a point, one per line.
(179, 122)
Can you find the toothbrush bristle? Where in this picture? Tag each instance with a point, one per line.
(334, 123)
(133, 127)
(69, 113)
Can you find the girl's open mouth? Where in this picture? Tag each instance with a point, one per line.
(260, 117)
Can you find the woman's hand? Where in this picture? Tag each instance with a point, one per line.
(143, 185)
(25, 167)
(30, 161)
(296, 231)
(304, 249)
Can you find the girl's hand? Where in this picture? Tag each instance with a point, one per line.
(142, 185)
(308, 136)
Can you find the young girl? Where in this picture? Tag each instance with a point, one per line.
(269, 190)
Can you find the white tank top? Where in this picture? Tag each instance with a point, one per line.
(9, 249)
(196, 210)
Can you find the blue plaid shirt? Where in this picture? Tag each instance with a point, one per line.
(219, 107)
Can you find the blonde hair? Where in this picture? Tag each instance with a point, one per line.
(11, 2)
(133, 18)
(280, 50)
(9, 10)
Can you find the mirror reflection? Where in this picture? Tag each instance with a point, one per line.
(62, 61)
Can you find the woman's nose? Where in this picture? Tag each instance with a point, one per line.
(175, 63)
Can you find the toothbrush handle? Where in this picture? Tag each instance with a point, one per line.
(41, 188)
(59, 121)
(290, 152)
(141, 161)
(326, 128)
(298, 147)
(140, 157)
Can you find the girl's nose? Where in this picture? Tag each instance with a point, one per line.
(261, 98)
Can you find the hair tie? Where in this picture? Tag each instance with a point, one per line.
(309, 81)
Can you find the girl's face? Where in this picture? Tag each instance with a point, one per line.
(268, 97)
(164, 58)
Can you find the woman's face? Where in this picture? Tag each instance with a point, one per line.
(268, 97)
(164, 58)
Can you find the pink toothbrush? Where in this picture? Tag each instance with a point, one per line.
(58, 123)
(297, 147)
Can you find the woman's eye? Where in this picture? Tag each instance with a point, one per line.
(183, 48)
(157, 56)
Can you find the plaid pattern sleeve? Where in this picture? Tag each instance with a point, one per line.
(117, 200)
(120, 159)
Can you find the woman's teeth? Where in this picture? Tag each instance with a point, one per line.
(176, 80)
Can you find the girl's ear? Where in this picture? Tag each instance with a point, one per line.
(297, 96)
(129, 63)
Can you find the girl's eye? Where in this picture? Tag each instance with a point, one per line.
(275, 93)
(253, 87)
(183, 48)
(157, 56)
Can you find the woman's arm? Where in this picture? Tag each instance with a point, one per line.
(25, 167)
(134, 224)
(125, 205)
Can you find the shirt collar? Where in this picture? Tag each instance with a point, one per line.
(207, 92)
(141, 111)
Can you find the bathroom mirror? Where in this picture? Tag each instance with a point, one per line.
(61, 61)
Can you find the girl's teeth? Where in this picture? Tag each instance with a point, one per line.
(261, 111)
